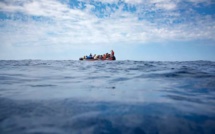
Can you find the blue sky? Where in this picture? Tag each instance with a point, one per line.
(166, 30)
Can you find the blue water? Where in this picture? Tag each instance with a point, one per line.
(117, 97)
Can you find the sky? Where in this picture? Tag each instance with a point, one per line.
(146, 30)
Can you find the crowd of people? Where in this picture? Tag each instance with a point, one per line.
(101, 57)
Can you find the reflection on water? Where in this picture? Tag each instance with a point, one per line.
(131, 97)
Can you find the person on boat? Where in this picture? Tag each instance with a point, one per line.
(104, 57)
(89, 57)
(95, 57)
(107, 56)
(112, 55)
(100, 57)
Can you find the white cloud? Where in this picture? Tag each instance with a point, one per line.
(199, 1)
(107, 1)
(65, 26)
(134, 1)
(166, 6)
(50, 8)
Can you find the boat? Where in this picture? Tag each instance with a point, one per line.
(112, 58)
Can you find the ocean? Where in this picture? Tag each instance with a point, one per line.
(107, 97)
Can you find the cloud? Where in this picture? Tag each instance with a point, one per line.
(107, 1)
(50, 8)
(199, 1)
(166, 6)
(53, 22)
(134, 1)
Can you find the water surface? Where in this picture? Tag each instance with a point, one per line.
(134, 97)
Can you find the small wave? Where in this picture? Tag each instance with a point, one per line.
(120, 79)
(131, 96)
(183, 98)
(43, 85)
(177, 74)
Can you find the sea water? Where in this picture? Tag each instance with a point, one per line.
(117, 97)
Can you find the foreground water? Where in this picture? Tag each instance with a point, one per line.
(133, 97)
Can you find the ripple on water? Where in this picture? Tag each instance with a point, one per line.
(67, 96)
